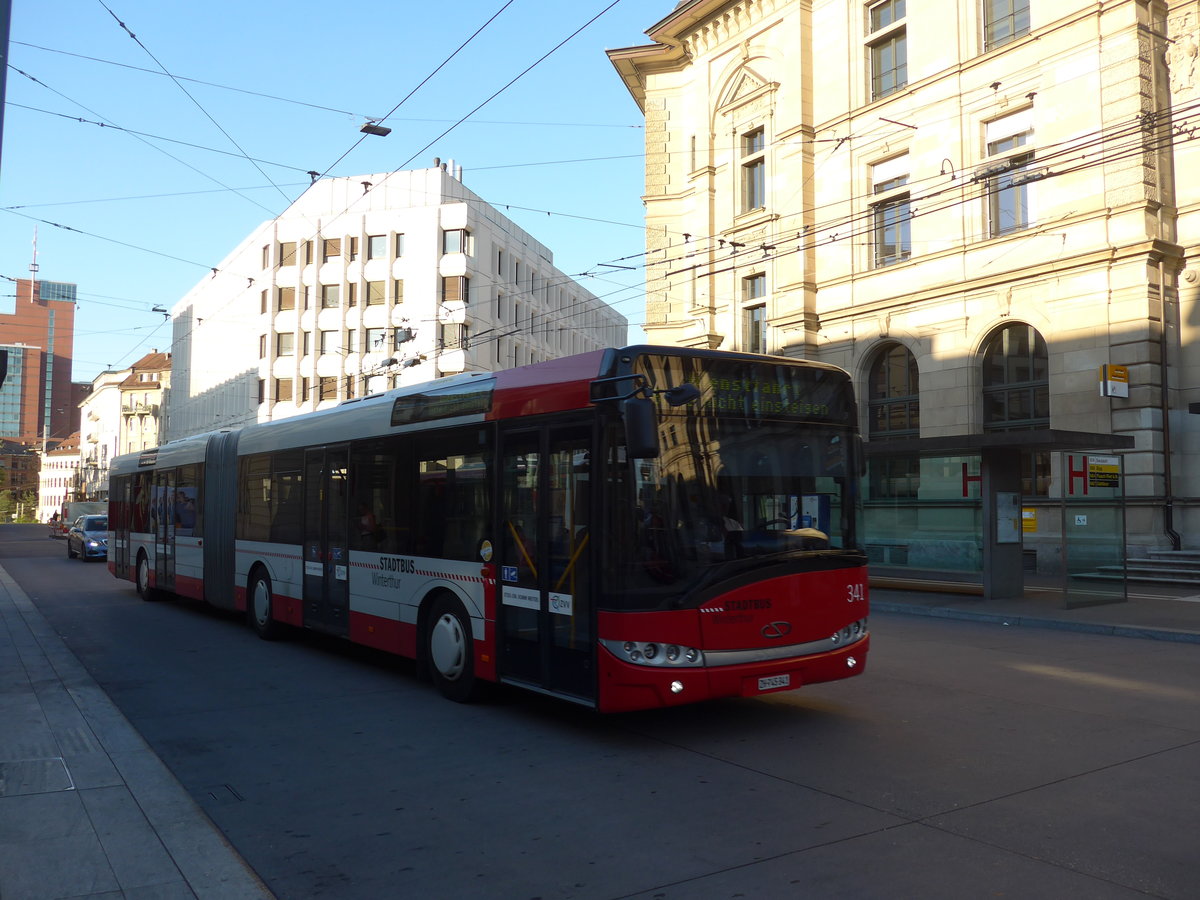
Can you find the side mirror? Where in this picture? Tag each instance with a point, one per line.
(641, 428)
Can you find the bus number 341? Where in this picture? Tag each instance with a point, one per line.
(855, 593)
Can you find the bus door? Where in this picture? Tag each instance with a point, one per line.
(326, 555)
(546, 621)
(120, 515)
(163, 505)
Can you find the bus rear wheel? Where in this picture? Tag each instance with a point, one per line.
(143, 579)
(259, 603)
(450, 650)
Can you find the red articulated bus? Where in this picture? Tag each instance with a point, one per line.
(625, 529)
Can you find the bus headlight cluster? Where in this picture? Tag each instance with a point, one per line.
(655, 653)
(850, 633)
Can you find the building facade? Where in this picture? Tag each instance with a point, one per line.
(365, 283)
(57, 477)
(37, 400)
(973, 207)
(145, 394)
(101, 416)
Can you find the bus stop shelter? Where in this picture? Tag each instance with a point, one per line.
(1087, 498)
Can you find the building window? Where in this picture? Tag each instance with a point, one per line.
(353, 255)
(374, 338)
(456, 287)
(452, 336)
(1004, 21)
(754, 329)
(262, 346)
(891, 216)
(262, 390)
(456, 240)
(1016, 395)
(888, 47)
(376, 246)
(352, 294)
(287, 253)
(375, 293)
(331, 296)
(1016, 380)
(398, 290)
(305, 389)
(754, 287)
(285, 343)
(283, 390)
(399, 245)
(306, 343)
(350, 341)
(754, 170)
(327, 387)
(329, 342)
(332, 249)
(1008, 173)
(285, 299)
(266, 256)
(893, 405)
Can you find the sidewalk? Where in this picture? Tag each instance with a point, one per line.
(86, 808)
(1160, 619)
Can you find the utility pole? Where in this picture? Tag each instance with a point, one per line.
(5, 22)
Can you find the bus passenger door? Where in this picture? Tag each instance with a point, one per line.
(546, 622)
(163, 500)
(326, 556)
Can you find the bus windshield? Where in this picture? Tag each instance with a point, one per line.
(732, 489)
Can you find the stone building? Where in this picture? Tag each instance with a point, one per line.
(983, 210)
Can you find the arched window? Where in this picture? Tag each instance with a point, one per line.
(1016, 395)
(893, 407)
(1016, 380)
(894, 411)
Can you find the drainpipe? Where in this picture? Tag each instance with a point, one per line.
(1165, 157)
(1168, 488)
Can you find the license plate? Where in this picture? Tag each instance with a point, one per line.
(774, 682)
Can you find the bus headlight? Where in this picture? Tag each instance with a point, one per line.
(851, 633)
(654, 653)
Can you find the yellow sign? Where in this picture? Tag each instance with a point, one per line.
(1114, 381)
(1028, 519)
(1104, 471)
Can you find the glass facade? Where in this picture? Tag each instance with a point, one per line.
(10, 393)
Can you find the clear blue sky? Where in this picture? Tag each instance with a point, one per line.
(559, 151)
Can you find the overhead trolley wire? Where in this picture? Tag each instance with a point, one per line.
(189, 95)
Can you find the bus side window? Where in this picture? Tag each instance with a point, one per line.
(378, 521)
(188, 502)
(453, 494)
(140, 514)
(287, 497)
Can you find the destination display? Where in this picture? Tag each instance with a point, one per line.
(753, 390)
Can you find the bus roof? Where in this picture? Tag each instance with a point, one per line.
(557, 385)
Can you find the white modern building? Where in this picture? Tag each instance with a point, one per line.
(367, 282)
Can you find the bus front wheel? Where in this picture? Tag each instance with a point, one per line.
(450, 650)
(258, 607)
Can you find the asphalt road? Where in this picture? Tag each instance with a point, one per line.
(970, 760)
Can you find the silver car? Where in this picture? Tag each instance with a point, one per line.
(88, 538)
